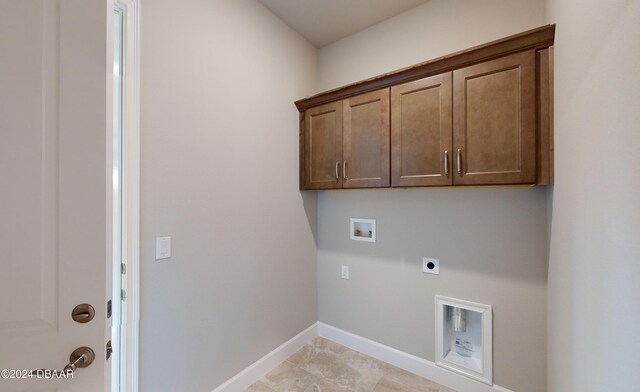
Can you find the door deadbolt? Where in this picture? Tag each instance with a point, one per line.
(83, 313)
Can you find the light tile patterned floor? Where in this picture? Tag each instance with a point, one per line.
(325, 366)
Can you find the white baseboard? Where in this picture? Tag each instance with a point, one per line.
(264, 365)
(408, 362)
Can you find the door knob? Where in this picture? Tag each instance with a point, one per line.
(81, 357)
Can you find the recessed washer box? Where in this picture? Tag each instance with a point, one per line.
(362, 229)
(464, 338)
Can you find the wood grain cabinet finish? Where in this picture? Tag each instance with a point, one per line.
(346, 143)
(495, 121)
(323, 147)
(421, 132)
(482, 116)
(365, 140)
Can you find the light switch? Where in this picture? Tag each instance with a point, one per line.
(163, 248)
(344, 272)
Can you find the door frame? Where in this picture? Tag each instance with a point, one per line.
(127, 368)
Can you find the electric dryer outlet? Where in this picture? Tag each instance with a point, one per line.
(431, 265)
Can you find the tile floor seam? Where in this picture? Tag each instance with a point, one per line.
(376, 386)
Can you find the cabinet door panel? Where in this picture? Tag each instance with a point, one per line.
(494, 121)
(366, 140)
(421, 132)
(323, 146)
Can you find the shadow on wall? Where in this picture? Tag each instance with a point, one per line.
(499, 231)
(310, 205)
(549, 220)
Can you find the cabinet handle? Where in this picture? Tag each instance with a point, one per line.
(337, 171)
(344, 170)
(446, 162)
(459, 161)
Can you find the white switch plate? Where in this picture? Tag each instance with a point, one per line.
(163, 248)
(430, 265)
(345, 272)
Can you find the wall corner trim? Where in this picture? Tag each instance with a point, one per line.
(406, 361)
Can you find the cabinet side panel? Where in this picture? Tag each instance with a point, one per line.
(543, 159)
(301, 165)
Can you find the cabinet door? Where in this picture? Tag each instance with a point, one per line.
(494, 121)
(421, 132)
(323, 146)
(366, 140)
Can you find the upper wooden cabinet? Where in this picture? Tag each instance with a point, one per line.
(494, 105)
(482, 116)
(365, 140)
(323, 146)
(421, 132)
(346, 143)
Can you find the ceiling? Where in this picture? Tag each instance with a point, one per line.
(322, 22)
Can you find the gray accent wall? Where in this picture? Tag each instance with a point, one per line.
(492, 242)
(492, 246)
(219, 168)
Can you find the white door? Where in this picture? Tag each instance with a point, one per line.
(55, 184)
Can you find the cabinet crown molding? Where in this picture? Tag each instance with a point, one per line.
(538, 38)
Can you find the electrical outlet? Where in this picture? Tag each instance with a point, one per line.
(345, 272)
(430, 265)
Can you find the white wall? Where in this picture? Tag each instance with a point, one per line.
(437, 28)
(594, 265)
(219, 167)
(492, 242)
